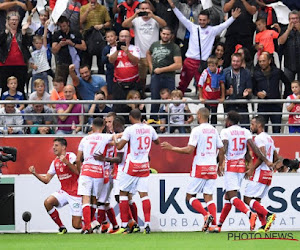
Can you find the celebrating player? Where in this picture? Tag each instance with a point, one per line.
(205, 140)
(91, 178)
(136, 169)
(67, 173)
(261, 174)
(236, 141)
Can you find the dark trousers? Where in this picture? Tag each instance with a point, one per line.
(276, 119)
(240, 109)
(159, 82)
(88, 59)
(213, 118)
(231, 42)
(20, 72)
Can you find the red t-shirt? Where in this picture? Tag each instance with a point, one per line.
(15, 56)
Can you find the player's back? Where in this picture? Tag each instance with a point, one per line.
(93, 144)
(266, 141)
(237, 138)
(139, 137)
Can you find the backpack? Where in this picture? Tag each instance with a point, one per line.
(95, 41)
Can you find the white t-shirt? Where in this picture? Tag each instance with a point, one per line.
(205, 138)
(177, 119)
(33, 96)
(146, 33)
(39, 58)
(93, 144)
(140, 137)
(237, 138)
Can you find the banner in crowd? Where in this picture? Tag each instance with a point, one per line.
(38, 151)
(170, 211)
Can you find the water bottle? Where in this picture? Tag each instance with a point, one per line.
(73, 128)
(5, 130)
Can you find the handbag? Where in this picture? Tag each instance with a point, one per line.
(95, 41)
(203, 64)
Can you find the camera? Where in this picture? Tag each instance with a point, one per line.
(291, 164)
(143, 13)
(119, 44)
(10, 154)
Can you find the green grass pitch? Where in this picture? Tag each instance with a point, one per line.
(186, 240)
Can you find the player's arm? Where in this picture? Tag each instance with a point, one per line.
(43, 178)
(156, 141)
(221, 157)
(70, 165)
(258, 153)
(225, 143)
(117, 159)
(79, 159)
(119, 144)
(181, 150)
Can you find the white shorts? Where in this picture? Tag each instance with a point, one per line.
(116, 187)
(199, 185)
(105, 192)
(255, 189)
(132, 184)
(233, 181)
(74, 202)
(89, 186)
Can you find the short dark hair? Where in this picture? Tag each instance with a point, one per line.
(118, 124)
(63, 19)
(100, 92)
(167, 28)
(98, 122)
(261, 19)
(59, 79)
(233, 117)
(136, 114)
(111, 114)
(84, 65)
(61, 140)
(111, 31)
(204, 13)
(260, 120)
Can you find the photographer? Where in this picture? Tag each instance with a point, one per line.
(125, 58)
(146, 30)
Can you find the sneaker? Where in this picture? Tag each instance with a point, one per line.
(104, 227)
(62, 230)
(214, 229)
(95, 225)
(131, 224)
(136, 228)
(207, 220)
(252, 220)
(122, 230)
(261, 229)
(113, 230)
(87, 231)
(147, 230)
(270, 220)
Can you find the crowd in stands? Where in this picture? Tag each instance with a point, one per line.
(230, 49)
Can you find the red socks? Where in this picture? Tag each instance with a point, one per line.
(211, 206)
(261, 211)
(124, 210)
(111, 216)
(146, 208)
(101, 214)
(93, 210)
(196, 204)
(134, 211)
(86, 212)
(239, 205)
(225, 211)
(55, 217)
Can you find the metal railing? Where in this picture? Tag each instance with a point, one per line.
(197, 104)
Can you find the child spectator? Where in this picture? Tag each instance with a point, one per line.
(39, 93)
(111, 39)
(134, 95)
(211, 86)
(294, 107)
(38, 61)
(264, 39)
(165, 94)
(12, 84)
(177, 111)
(58, 90)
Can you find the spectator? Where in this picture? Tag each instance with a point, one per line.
(7, 121)
(67, 44)
(264, 39)
(191, 10)
(165, 94)
(247, 62)
(163, 60)
(146, 31)
(218, 52)
(111, 39)
(38, 119)
(12, 84)
(87, 84)
(14, 52)
(39, 93)
(39, 61)
(177, 112)
(211, 87)
(125, 9)
(241, 31)
(134, 95)
(98, 110)
(238, 85)
(66, 108)
(290, 40)
(207, 36)
(126, 72)
(94, 16)
(294, 120)
(266, 85)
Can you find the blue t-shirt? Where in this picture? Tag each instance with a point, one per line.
(18, 96)
(88, 90)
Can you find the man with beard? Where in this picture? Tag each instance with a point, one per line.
(164, 58)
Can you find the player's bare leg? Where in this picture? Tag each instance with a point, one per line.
(147, 210)
(86, 212)
(50, 204)
(76, 222)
